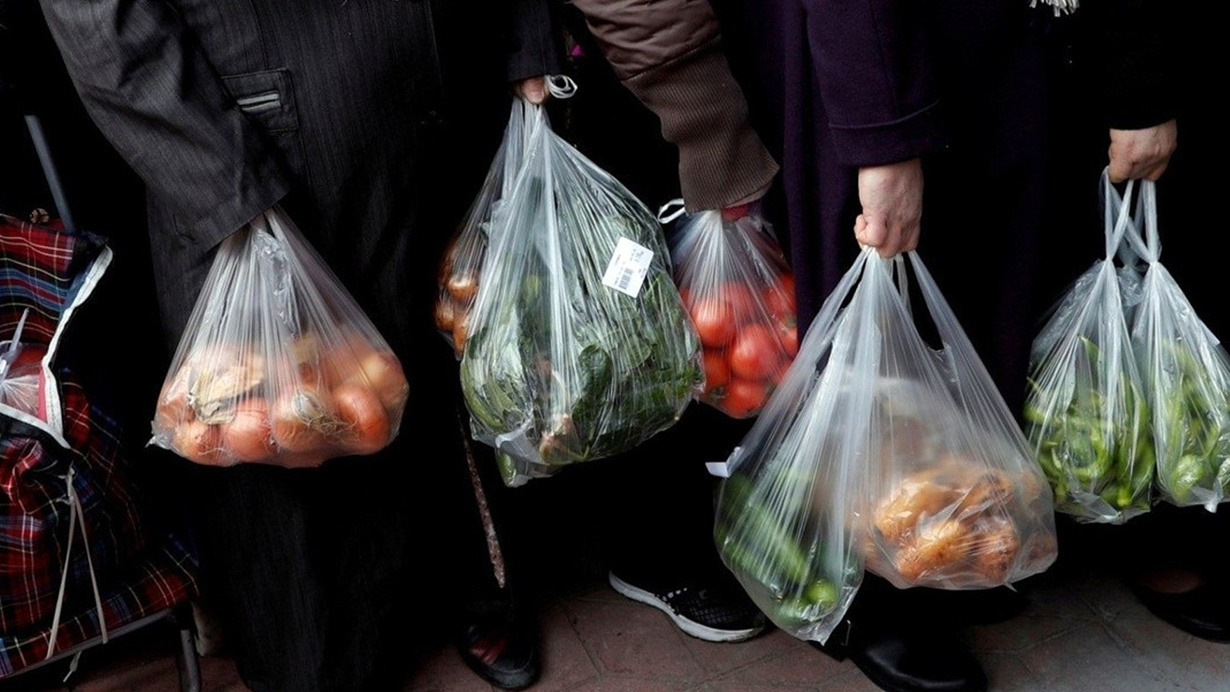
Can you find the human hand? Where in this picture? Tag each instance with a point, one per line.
(1142, 154)
(891, 196)
(533, 89)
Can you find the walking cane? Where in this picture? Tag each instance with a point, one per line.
(484, 511)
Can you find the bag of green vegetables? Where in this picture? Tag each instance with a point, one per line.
(1186, 373)
(578, 345)
(1086, 411)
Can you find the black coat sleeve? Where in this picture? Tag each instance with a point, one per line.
(535, 48)
(1134, 50)
(874, 73)
(156, 97)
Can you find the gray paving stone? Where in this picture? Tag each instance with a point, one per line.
(1087, 659)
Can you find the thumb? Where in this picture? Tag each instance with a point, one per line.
(534, 90)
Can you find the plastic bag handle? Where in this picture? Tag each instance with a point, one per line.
(561, 86)
(1144, 216)
(1116, 224)
(1148, 200)
(671, 211)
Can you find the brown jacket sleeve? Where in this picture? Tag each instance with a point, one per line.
(668, 54)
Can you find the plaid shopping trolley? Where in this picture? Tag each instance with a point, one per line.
(77, 565)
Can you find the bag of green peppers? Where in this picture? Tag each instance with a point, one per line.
(578, 344)
(879, 452)
(1086, 411)
(1187, 376)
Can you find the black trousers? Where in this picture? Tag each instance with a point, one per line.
(325, 578)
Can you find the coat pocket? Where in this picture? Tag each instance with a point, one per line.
(267, 97)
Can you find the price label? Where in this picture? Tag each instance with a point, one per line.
(628, 266)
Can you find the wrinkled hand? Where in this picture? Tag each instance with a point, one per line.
(1142, 154)
(533, 90)
(891, 196)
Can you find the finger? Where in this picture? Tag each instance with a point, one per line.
(892, 245)
(1156, 172)
(1120, 170)
(909, 239)
(870, 230)
(534, 90)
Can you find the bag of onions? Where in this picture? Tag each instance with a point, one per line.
(278, 364)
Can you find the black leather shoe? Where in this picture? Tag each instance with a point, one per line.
(907, 660)
(500, 647)
(1203, 612)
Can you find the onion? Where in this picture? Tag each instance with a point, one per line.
(384, 376)
(173, 407)
(200, 443)
(293, 417)
(461, 330)
(463, 285)
(446, 313)
(360, 409)
(249, 436)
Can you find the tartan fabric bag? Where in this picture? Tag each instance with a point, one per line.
(68, 523)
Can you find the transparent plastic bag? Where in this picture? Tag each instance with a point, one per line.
(463, 260)
(579, 347)
(21, 373)
(278, 364)
(878, 452)
(1085, 411)
(1186, 373)
(739, 292)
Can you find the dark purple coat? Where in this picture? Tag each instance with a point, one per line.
(837, 85)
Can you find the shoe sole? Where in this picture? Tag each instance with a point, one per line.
(690, 627)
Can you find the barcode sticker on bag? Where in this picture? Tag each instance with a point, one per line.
(628, 266)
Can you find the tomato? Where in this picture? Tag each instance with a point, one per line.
(790, 339)
(198, 442)
(712, 318)
(754, 353)
(685, 296)
(717, 372)
(787, 283)
(743, 304)
(779, 298)
(744, 398)
(359, 408)
(249, 436)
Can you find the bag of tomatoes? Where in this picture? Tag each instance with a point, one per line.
(278, 364)
(579, 347)
(739, 292)
(463, 260)
(879, 452)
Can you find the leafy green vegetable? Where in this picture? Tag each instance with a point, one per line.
(559, 368)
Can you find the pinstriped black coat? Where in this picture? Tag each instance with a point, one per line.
(224, 108)
(365, 119)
